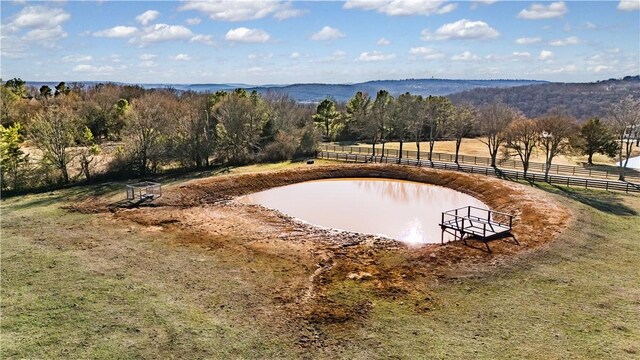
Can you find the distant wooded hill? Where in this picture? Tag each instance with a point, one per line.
(424, 87)
(581, 100)
(314, 93)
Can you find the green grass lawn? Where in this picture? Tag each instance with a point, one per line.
(77, 286)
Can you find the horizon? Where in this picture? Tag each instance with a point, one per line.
(279, 43)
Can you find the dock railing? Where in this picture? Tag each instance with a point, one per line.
(493, 222)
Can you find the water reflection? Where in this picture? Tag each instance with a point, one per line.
(402, 210)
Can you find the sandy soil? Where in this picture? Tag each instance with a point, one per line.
(203, 213)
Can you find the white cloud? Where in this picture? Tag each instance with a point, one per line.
(295, 55)
(46, 36)
(629, 5)
(475, 4)
(287, 12)
(546, 55)
(83, 68)
(182, 57)
(560, 70)
(336, 56)
(194, 21)
(164, 32)
(465, 56)
(147, 57)
(77, 58)
(572, 40)
(234, 10)
(462, 29)
(44, 24)
(591, 26)
(39, 17)
(383, 42)
(376, 56)
(117, 32)
(599, 68)
(540, 11)
(425, 53)
(146, 17)
(243, 34)
(521, 55)
(147, 64)
(327, 33)
(402, 7)
(528, 40)
(205, 39)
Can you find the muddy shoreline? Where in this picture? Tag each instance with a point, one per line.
(200, 214)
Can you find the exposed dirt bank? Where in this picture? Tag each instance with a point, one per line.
(202, 213)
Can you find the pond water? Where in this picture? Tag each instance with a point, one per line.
(634, 163)
(402, 210)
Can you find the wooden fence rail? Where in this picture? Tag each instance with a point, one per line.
(568, 170)
(608, 185)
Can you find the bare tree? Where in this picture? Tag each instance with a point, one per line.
(493, 120)
(625, 121)
(88, 152)
(194, 131)
(405, 111)
(381, 112)
(241, 120)
(436, 112)
(147, 128)
(556, 130)
(521, 138)
(461, 124)
(55, 131)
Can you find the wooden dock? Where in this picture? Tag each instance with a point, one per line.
(475, 222)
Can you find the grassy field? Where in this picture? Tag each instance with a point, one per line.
(87, 286)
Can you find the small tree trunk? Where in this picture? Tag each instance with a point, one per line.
(458, 143)
(326, 125)
(65, 174)
(400, 153)
(383, 142)
(431, 145)
(418, 148)
(621, 177)
(590, 159)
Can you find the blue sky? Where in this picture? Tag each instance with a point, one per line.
(278, 42)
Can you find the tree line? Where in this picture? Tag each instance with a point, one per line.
(505, 130)
(153, 129)
(156, 129)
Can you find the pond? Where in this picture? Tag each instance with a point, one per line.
(634, 163)
(403, 210)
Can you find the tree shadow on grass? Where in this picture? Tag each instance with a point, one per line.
(608, 202)
(71, 193)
